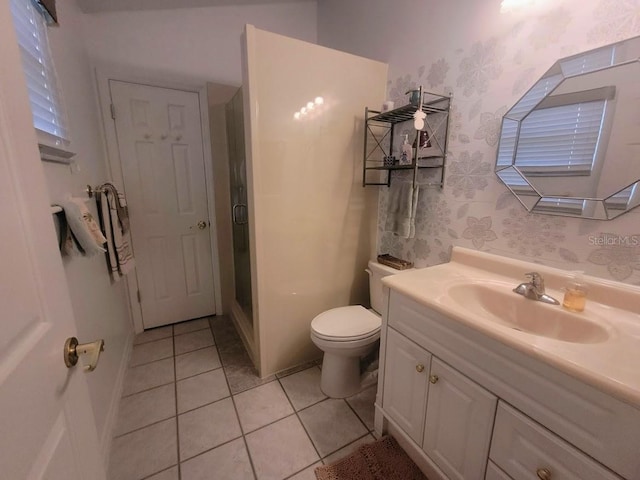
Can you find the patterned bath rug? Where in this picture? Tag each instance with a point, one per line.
(379, 460)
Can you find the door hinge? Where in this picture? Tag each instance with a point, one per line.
(113, 111)
(139, 297)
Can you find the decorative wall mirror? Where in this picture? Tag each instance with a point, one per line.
(571, 145)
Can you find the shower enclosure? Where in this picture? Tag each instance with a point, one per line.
(239, 213)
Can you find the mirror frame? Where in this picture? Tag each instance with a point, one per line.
(535, 201)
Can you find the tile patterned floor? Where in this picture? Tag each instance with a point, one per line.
(193, 408)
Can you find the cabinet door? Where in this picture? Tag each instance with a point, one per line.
(494, 473)
(458, 426)
(405, 384)
(524, 449)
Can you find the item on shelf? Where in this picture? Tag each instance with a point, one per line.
(407, 152)
(388, 105)
(394, 262)
(422, 140)
(415, 96)
(389, 161)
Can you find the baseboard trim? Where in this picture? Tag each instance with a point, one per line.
(237, 317)
(112, 416)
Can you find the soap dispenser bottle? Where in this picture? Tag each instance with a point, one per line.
(406, 152)
(575, 294)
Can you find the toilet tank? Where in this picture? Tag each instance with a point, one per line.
(376, 271)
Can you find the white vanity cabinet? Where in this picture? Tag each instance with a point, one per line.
(467, 407)
(447, 414)
(405, 392)
(459, 420)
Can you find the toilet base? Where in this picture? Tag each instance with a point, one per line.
(340, 376)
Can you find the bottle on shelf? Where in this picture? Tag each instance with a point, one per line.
(406, 155)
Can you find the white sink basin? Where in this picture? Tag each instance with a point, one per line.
(498, 303)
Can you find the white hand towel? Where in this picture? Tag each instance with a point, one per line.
(401, 213)
(83, 226)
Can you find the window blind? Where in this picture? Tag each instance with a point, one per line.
(594, 60)
(560, 140)
(44, 94)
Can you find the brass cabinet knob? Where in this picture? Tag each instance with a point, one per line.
(543, 474)
(419, 368)
(434, 378)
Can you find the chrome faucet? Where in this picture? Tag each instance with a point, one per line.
(534, 289)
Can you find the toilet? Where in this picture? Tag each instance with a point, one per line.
(345, 334)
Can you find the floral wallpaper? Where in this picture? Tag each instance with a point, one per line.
(486, 76)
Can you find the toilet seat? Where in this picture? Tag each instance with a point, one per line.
(346, 324)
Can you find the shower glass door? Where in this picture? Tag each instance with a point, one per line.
(239, 213)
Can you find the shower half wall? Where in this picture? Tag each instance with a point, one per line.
(311, 224)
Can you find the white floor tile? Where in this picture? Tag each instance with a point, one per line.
(307, 473)
(144, 408)
(148, 376)
(227, 462)
(193, 392)
(170, 474)
(144, 452)
(151, 351)
(363, 404)
(190, 326)
(344, 451)
(153, 334)
(207, 427)
(208, 432)
(303, 388)
(193, 341)
(345, 425)
(196, 362)
(280, 449)
(262, 405)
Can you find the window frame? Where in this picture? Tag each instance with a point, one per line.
(31, 22)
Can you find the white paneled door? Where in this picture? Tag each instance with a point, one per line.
(161, 153)
(47, 429)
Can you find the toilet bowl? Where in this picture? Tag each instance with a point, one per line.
(345, 334)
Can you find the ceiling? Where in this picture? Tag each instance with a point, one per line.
(92, 6)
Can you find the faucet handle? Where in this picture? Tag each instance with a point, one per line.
(536, 280)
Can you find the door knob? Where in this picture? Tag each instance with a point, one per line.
(434, 378)
(201, 225)
(73, 350)
(419, 368)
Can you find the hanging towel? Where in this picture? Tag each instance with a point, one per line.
(120, 259)
(121, 205)
(401, 213)
(83, 226)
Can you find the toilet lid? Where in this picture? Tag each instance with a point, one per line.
(346, 323)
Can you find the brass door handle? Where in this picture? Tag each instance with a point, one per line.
(201, 225)
(419, 368)
(434, 378)
(543, 474)
(73, 350)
